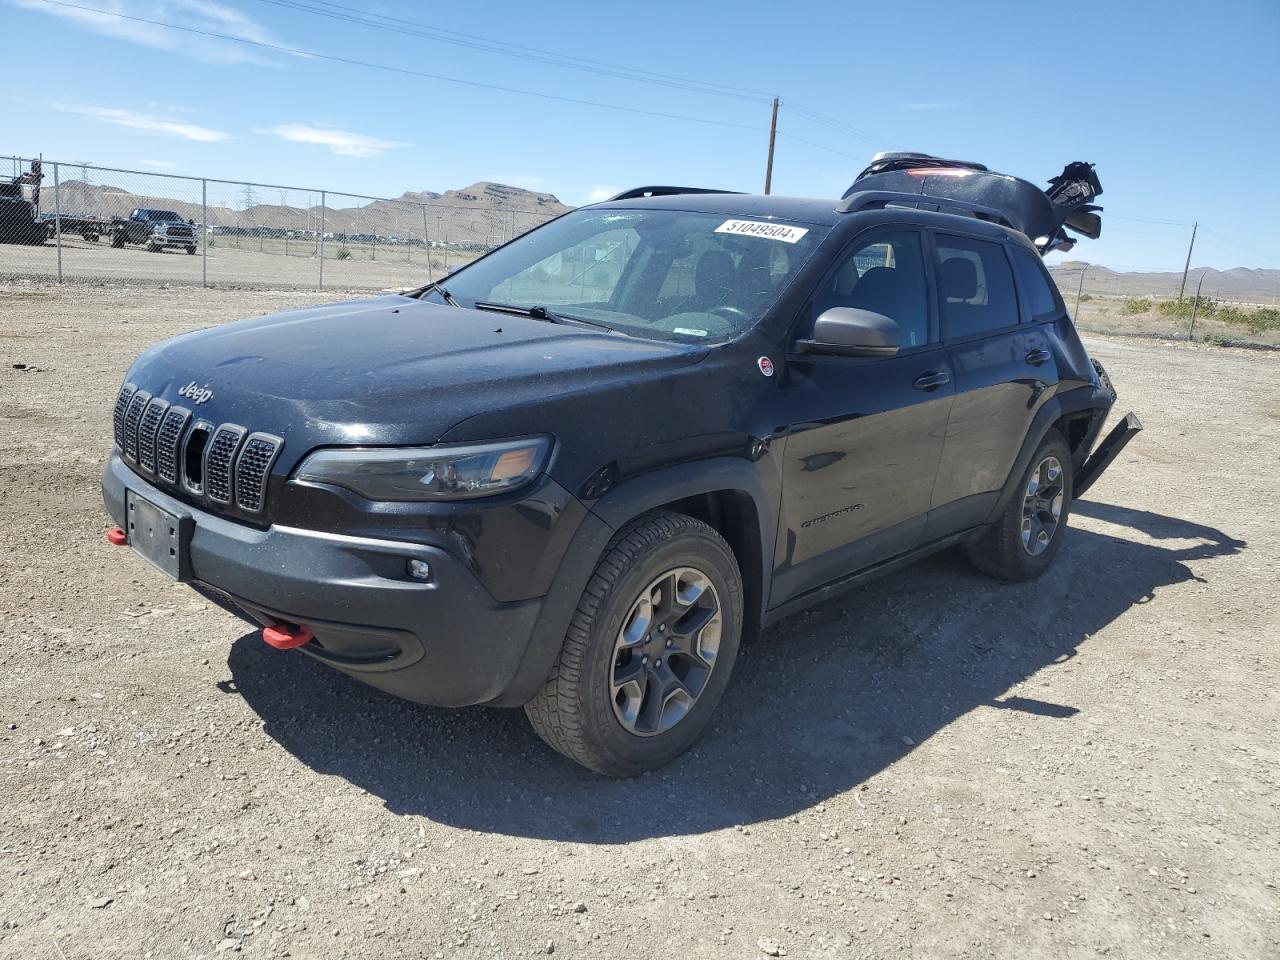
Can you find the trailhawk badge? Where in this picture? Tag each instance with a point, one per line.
(766, 366)
(195, 393)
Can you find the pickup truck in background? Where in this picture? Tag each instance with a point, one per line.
(157, 229)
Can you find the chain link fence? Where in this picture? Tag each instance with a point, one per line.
(79, 222)
(1196, 314)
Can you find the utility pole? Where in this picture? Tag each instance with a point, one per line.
(1075, 315)
(773, 136)
(1187, 266)
(1194, 307)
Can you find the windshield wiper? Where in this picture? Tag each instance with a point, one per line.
(542, 313)
(437, 288)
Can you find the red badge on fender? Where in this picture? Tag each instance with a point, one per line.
(766, 366)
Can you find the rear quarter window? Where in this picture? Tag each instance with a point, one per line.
(1040, 298)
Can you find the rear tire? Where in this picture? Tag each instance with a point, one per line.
(649, 650)
(1022, 543)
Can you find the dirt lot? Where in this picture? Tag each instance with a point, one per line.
(932, 765)
(231, 262)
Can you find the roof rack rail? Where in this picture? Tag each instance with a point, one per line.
(865, 199)
(637, 192)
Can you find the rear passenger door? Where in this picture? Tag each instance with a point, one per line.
(1003, 370)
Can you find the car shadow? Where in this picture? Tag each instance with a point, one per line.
(819, 704)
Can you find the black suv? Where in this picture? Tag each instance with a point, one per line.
(574, 474)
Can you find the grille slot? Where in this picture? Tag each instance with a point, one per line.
(252, 468)
(147, 427)
(118, 415)
(169, 443)
(219, 456)
(131, 419)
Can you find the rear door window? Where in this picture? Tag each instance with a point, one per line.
(976, 287)
(1040, 300)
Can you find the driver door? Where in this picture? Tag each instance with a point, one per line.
(866, 434)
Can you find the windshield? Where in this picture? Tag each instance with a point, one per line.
(668, 274)
(162, 216)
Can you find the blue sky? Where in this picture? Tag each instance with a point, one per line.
(1175, 101)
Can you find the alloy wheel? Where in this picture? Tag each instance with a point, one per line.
(1042, 506)
(665, 651)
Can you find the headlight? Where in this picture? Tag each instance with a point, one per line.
(429, 473)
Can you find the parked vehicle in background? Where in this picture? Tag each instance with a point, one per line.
(575, 473)
(157, 229)
(18, 221)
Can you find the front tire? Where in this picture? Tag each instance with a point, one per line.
(649, 650)
(1022, 543)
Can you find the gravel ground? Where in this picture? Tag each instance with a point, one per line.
(243, 266)
(932, 765)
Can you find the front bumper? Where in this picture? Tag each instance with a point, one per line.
(445, 641)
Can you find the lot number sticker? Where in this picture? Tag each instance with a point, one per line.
(770, 231)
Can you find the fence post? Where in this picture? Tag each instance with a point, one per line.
(426, 240)
(57, 219)
(321, 239)
(204, 233)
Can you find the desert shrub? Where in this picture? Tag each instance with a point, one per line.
(1255, 321)
(1135, 305)
(1085, 298)
(1181, 309)
(344, 252)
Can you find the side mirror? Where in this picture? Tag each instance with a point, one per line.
(852, 332)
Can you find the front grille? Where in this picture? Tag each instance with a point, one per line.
(147, 427)
(218, 459)
(252, 468)
(131, 419)
(224, 465)
(180, 233)
(118, 415)
(169, 443)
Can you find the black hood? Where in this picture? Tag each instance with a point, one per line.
(387, 370)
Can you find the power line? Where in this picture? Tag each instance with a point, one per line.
(820, 146)
(1218, 238)
(402, 26)
(350, 61)
(832, 123)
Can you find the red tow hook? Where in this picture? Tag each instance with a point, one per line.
(284, 637)
(117, 537)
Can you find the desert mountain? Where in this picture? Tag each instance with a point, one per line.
(1250, 285)
(483, 212)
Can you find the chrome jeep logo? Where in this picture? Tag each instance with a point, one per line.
(196, 393)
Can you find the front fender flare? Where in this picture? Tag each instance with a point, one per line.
(631, 498)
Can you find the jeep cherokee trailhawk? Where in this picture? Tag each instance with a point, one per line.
(576, 472)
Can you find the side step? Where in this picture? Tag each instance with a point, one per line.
(1107, 450)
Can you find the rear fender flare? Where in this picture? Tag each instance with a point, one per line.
(1053, 410)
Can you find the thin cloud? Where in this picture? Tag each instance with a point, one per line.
(147, 122)
(157, 164)
(198, 14)
(603, 192)
(342, 142)
(932, 104)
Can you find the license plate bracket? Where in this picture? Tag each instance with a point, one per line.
(158, 536)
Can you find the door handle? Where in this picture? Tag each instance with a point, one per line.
(1038, 357)
(932, 380)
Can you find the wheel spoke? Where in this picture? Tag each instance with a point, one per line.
(665, 651)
